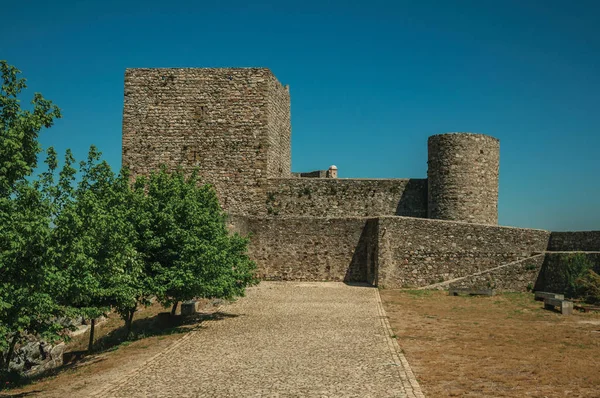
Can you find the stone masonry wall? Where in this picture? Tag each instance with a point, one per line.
(580, 240)
(313, 249)
(311, 174)
(221, 121)
(279, 160)
(463, 177)
(519, 276)
(418, 252)
(392, 252)
(339, 197)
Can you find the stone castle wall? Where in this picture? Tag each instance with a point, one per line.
(463, 177)
(392, 252)
(419, 252)
(311, 174)
(279, 132)
(311, 249)
(580, 240)
(337, 197)
(232, 124)
(518, 276)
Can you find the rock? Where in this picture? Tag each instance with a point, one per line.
(189, 307)
(36, 356)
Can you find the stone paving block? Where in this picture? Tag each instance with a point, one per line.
(285, 339)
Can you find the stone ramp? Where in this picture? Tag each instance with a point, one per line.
(512, 276)
(285, 339)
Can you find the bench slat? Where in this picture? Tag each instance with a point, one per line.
(540, 296)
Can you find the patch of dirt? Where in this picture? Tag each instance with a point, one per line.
(499, 346)
(154, 330)
(591, 322)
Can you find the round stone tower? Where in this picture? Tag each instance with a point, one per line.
(462, 177)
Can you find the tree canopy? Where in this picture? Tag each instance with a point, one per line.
(186, 248)
(26, 301)
(86, 240)
(20, 128)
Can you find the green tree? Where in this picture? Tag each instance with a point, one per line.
(184, 241)
(112, 208)
(81, 288)
(104, 242)
(20, 128)
(94, 242)
(26, 303)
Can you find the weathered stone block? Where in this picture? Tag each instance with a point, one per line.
(565, 307)
(189, 308)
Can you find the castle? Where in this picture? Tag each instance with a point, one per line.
(233, 125)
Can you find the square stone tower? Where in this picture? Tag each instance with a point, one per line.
(232, 124)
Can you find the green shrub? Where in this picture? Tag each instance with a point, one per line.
(588, 287)
(574, 267)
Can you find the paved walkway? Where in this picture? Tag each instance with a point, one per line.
(282, 340)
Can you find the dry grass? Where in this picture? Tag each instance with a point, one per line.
(113, 356)
(500, 346)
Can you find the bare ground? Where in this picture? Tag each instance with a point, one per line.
(500, 346)
(113, 356)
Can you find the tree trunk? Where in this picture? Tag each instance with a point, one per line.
(129, 322)
(91, 342)
(11, 350)
(174, 309)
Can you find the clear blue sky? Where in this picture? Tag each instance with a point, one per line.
(370, 81)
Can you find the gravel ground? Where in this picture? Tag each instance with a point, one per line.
(285, 339)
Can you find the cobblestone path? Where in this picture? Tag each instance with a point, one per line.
(282, 340)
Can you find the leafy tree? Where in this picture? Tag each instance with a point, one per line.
(26, 303)
(67, 255)
(104, 242)
(114, 205)
(94, 242)
(19, 128)
(184, 241)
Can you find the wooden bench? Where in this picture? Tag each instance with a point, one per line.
(541, 296)
(565, 306)
(471, 292)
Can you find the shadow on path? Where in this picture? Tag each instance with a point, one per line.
(161, 324)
